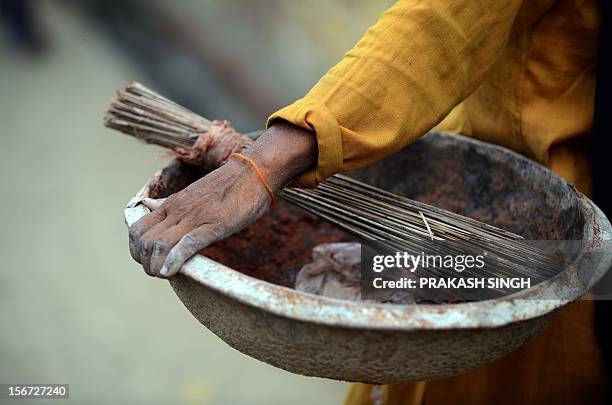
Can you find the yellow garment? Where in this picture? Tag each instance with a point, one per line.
(526, 70)
(516, 73)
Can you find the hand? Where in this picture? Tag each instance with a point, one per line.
(219, 204)
(212, 208)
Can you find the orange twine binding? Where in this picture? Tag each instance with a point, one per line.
(260, 175)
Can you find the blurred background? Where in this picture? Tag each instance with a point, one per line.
(74, 307)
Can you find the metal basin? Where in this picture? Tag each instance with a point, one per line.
(382, 343)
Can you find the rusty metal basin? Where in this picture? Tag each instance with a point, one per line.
(383, 343)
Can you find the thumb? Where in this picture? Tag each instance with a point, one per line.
(153, 204)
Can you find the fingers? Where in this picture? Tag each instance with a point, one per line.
(149, 242)
(162, 245)
(208, 210)
(138, 230)
(188, 246)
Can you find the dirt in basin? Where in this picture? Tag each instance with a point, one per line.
(276, 247)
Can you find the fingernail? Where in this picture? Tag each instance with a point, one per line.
(164, 270)
(152, 203)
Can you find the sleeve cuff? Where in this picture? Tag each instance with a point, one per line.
(316, 117)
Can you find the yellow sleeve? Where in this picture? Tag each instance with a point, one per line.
(402, 78)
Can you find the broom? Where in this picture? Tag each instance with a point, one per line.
(389, 222)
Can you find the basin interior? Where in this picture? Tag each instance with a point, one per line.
(478, 180)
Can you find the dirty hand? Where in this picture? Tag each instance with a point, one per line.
(219, 204)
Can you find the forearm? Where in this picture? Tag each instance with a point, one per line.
(419, 61)
(283, 152)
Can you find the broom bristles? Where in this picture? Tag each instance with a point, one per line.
(367, 212)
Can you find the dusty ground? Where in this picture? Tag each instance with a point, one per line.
(74, 307)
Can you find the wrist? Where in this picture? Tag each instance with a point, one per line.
(283, 152)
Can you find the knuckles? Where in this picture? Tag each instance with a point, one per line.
(189, 240)
(159, 246)
(208, 203)
(146, 249)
